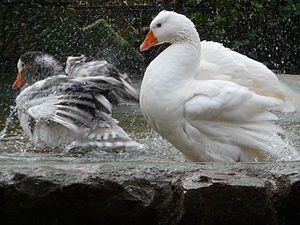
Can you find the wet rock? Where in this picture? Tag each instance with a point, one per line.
(144, 193)
(100, 40)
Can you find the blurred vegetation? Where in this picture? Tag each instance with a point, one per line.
(54, 28)
(29, 26)
(266, 30)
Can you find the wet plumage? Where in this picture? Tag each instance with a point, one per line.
(71, 109)
(210, 102)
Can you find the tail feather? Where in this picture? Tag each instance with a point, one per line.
(104, 144)
(105, 137)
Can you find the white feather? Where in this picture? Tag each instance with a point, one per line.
(208, 101)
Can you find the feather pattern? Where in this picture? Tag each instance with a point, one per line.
(74, 109)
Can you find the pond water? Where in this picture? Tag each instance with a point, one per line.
(15, 146)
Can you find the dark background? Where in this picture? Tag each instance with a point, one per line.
(266, 30)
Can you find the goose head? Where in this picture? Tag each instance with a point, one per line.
(35, 66)
(170, 27)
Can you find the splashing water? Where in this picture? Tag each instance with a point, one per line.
(3, 133)
(15, 146)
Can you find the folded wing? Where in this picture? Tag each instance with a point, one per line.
(233, 120)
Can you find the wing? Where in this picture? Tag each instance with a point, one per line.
(101, 71)
(81, 107)
(116, 90)
(233, 120)
(63, 100)
(225, 64)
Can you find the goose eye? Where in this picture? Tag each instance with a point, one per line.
(22, 65)
(158, 25)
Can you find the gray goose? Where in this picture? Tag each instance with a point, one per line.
(56, 109)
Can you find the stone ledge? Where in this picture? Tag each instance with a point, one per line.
(150, 193)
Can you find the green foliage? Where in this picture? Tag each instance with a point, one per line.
(31, 26)
(266, 30)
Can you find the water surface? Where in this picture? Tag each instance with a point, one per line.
(15, 146)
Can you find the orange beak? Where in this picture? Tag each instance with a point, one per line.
(149, 41)
(18, 82)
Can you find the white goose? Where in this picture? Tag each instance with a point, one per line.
(215, 109)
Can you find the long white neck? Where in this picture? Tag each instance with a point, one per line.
(165, 76)
(178, 62)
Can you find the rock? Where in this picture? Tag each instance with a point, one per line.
(101, 41)
(148, 193)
